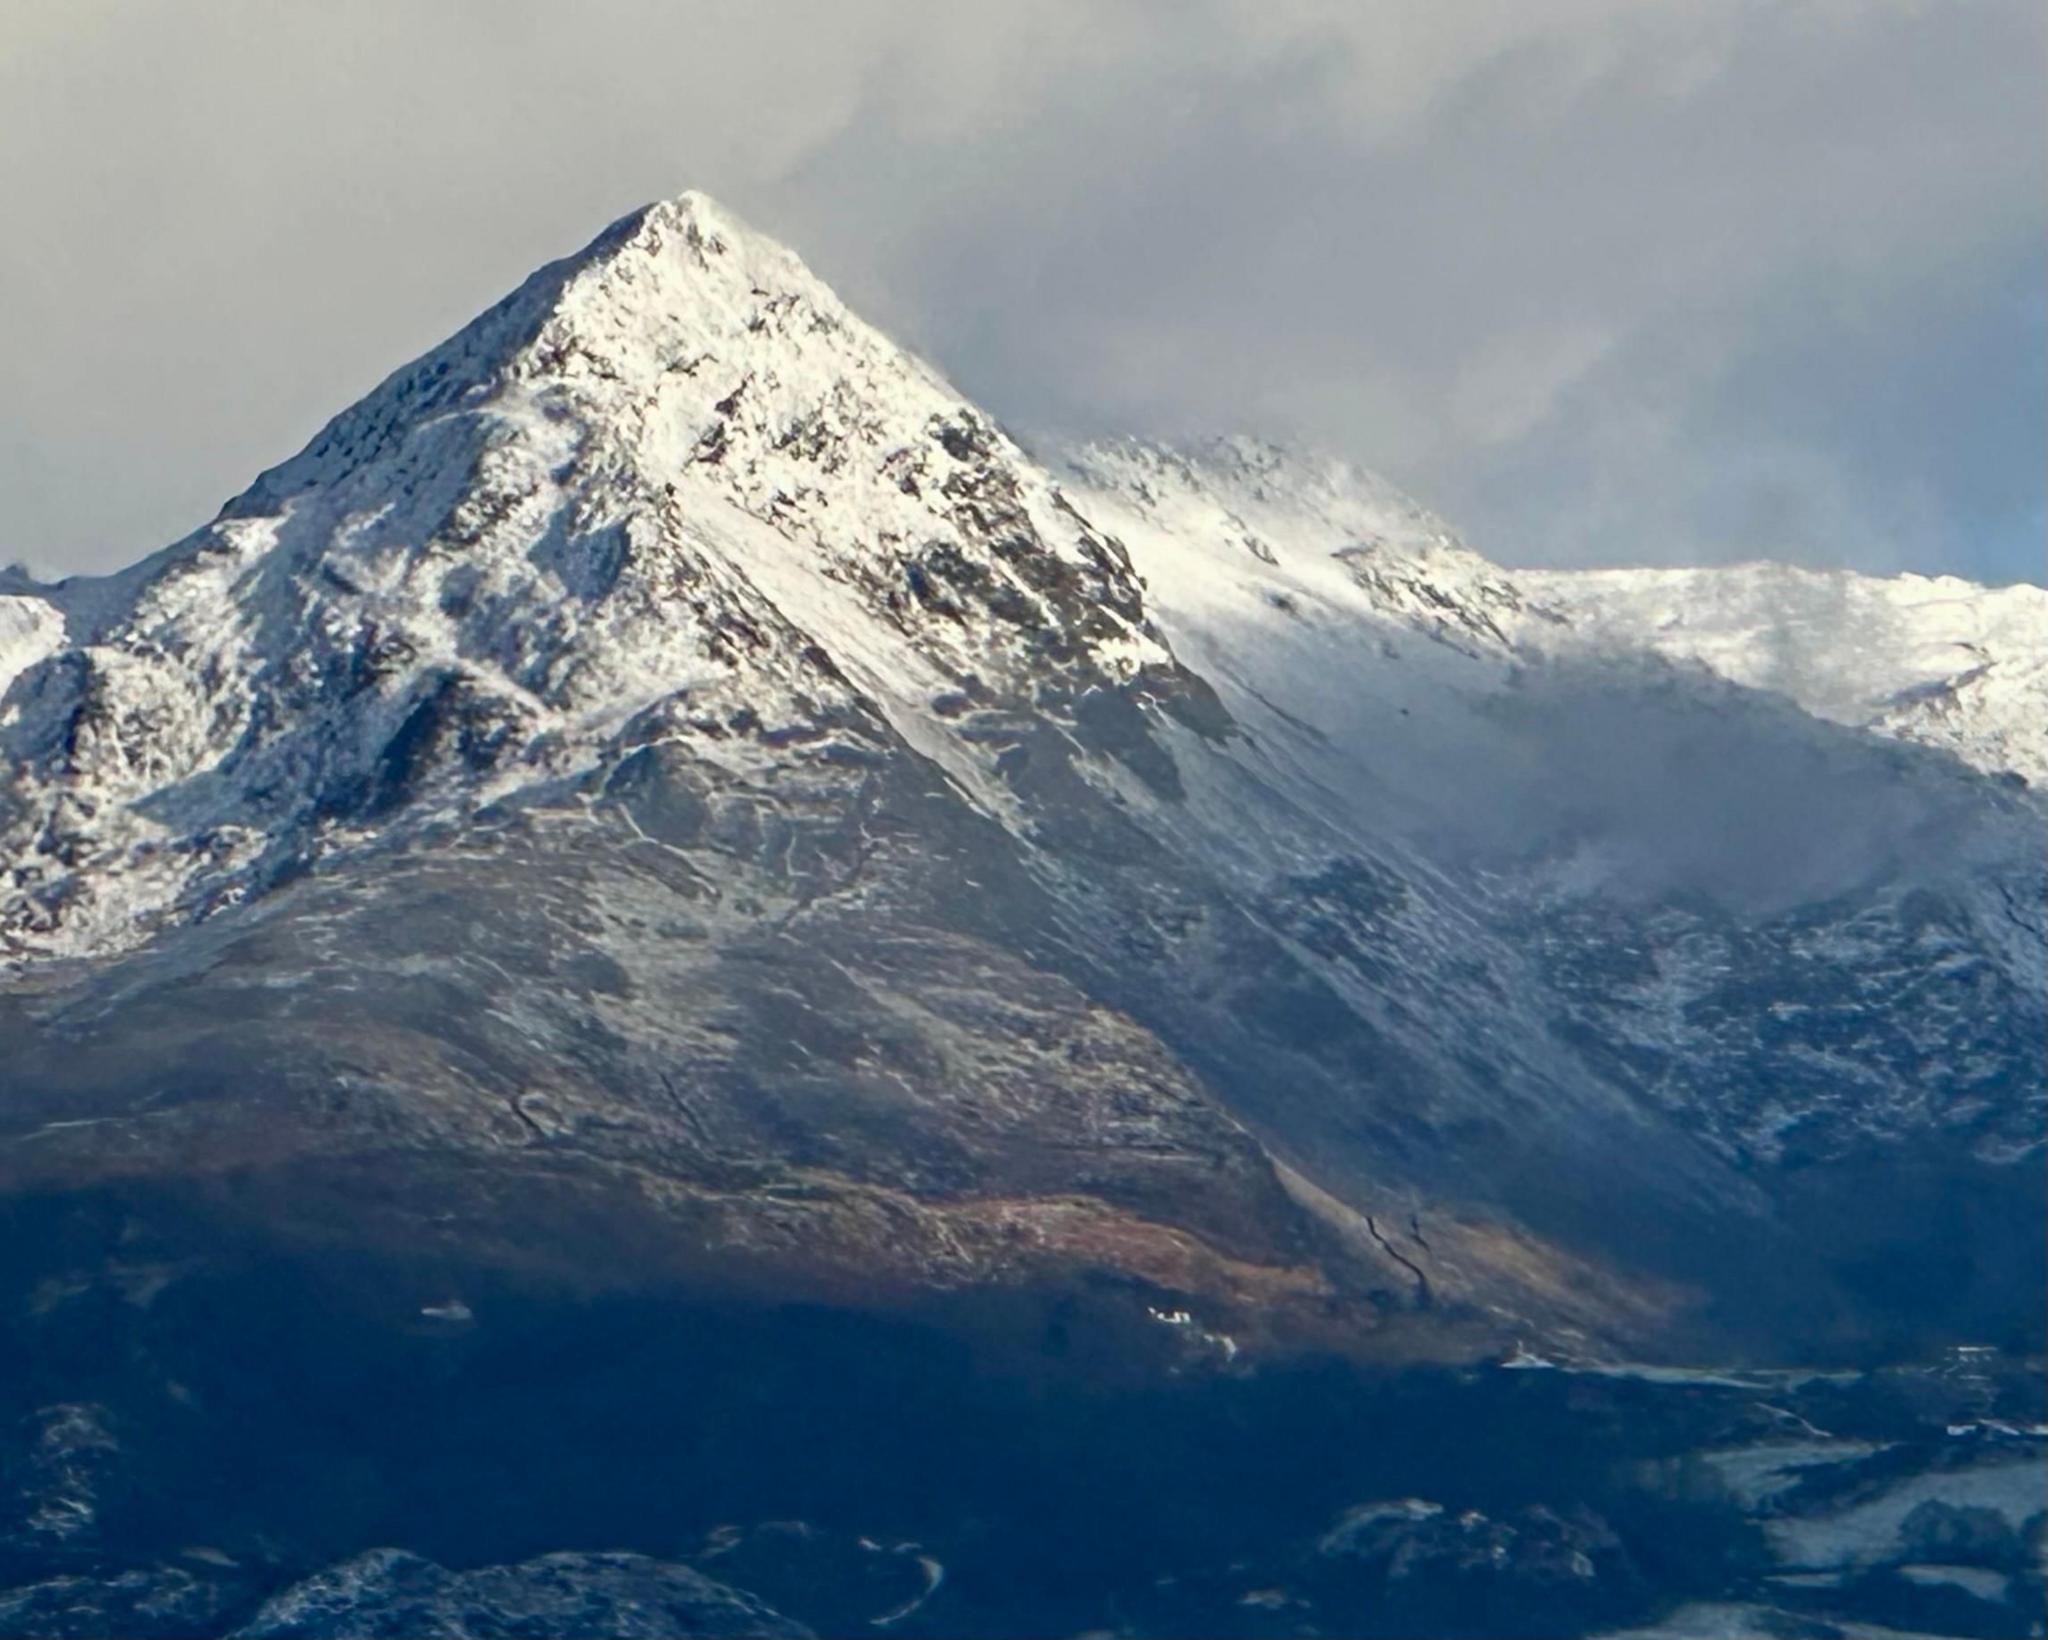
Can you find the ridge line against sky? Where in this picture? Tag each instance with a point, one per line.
(1602, 283)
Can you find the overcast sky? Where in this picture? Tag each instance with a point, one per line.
(1603, 281)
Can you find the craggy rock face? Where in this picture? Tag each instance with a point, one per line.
(664, 794)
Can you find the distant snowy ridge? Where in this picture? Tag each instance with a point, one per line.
(1940, 661)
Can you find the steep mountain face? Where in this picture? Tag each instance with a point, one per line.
(664, 791)
(672, 468)
(1540, 745)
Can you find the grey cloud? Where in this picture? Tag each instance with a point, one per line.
(1600, 281)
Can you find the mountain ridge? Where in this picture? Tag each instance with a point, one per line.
(606, 320)
(666, 747)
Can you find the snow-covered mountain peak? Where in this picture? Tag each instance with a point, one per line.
(671, 466)
(666, 289)
(672, 476)
(666, 737)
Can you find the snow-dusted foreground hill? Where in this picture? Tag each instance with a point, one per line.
(664, 743)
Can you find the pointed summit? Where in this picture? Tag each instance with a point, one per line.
(670, 465)
(660, 290)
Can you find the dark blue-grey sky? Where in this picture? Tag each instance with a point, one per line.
(1601, 280)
